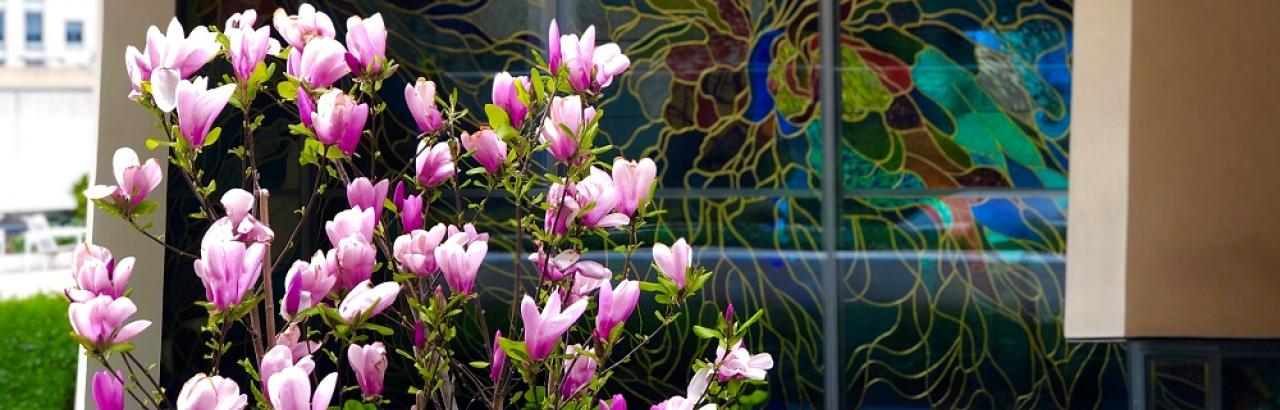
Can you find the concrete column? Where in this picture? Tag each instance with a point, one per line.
(1174, 173)
(124, 124)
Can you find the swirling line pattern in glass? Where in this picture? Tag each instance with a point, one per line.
(954, 156)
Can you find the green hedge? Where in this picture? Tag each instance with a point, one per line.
(37, 358)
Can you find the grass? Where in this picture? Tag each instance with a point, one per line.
(37, 358)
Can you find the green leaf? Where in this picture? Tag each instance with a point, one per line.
(121, 347)
(497, 117)
(480, 365)
(382, 330)
(536, 80)
(153, 143)
(706, 333)
(145, 207)
(334, 153)
(353, 404)
(650, 287)
(287, 90)
(403, 277)
(311, 151)
(515, 350)
(754, 318)
(301, 129)
(213, 136)
(755, 398)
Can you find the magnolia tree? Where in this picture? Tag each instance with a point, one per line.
(389, 267)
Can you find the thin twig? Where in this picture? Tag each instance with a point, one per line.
(155, 239)
(665, 322)
(129, 357)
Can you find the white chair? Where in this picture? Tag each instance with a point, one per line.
(41, 240)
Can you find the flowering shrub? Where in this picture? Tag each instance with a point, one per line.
(385, 259)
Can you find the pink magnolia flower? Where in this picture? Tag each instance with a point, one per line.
(578, 370)
(553, 48)
(558, 266)
(591, 68)
(238, 224)
(434, 165)
(198, 107)
(339, 120)
(542, 330)
(164, 88)
(416, 250)
(576, 53)
(101, 320)
(306, 107)
(471, 234)
(693, 394)
(421, 99)
(616, 305)
(247, 47)
(367, 195)
(419, 335)
(290, 338)
(320, 65)
(597, 193)
(203, 392)
(506, 97)
(354, 259)
(485, 146)
(228, 270)
(583, 285)
(133, 182)
(108, 390)
(277, 359)
(184, 54)
(368, 300)
(739, 364)
(567, 262)
(633, 179)
(460, 260)
(609, 62)
(566, 112)
(369, 362)
(97, 273)
(367, 44)
(499, 359)
(562, 206)
(616, 403)
(355, 221)
(307, 284)
(291, 390)
(397, 195)
(411, 213)
(673, 261)
(299, 29)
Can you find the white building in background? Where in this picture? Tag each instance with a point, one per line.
(48, 52)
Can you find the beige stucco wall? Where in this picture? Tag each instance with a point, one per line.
(1100, 128)
(1173, 192)
(122, 123)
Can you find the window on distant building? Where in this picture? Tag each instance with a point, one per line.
(35, 28)
(75, 33)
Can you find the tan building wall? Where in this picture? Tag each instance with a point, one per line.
(121, 123)
(1174, 180)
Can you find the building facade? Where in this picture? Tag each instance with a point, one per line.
(48, 52)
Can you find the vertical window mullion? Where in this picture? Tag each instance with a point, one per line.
(829, 107)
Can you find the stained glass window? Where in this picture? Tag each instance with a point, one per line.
(954, 147)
